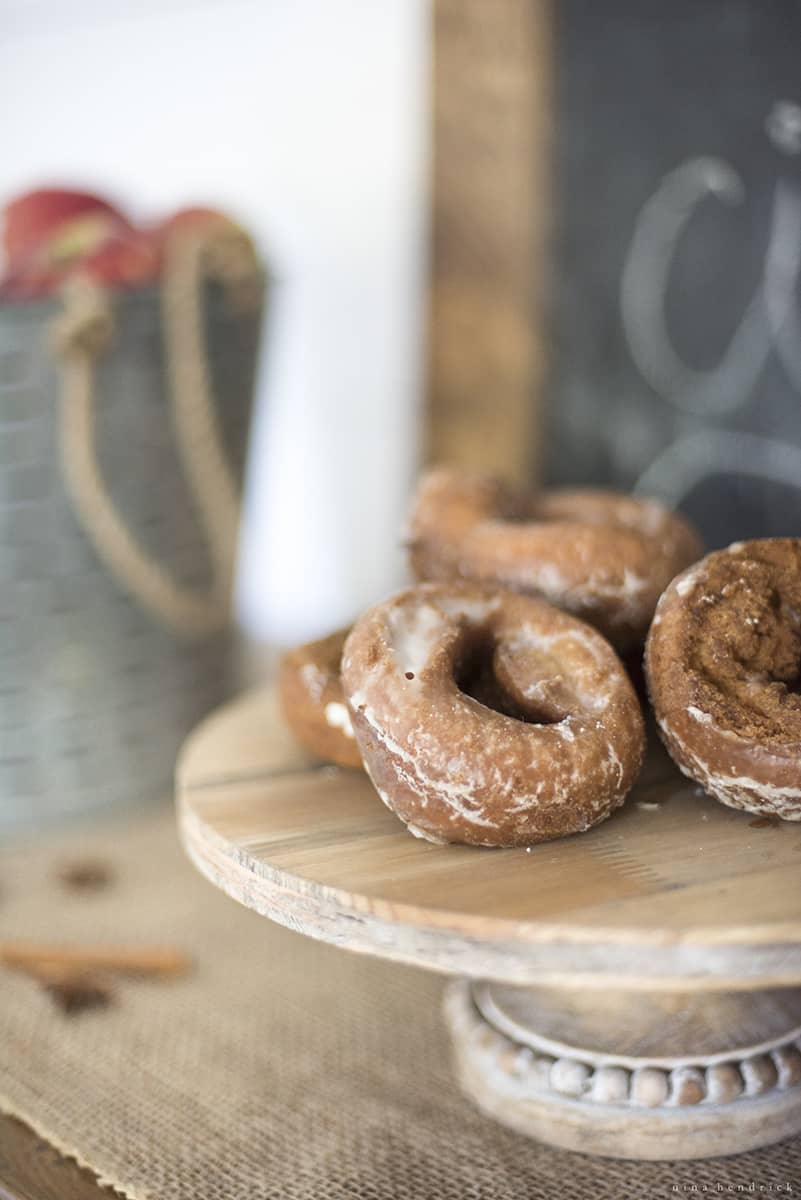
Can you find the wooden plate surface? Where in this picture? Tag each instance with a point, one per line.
(673, 887)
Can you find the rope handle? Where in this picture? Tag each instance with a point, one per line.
(82, 334)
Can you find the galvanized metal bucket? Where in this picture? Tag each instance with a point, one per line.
(99, 683)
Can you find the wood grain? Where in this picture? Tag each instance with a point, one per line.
(673, 888)
(491, 94)
(663, 1029)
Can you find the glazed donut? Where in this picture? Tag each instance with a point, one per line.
(723, 661)
(310, 693)
(603, 556)
(490, 718)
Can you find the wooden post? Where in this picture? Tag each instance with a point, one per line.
(491, 132)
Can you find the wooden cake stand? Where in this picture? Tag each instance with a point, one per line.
(634, 991)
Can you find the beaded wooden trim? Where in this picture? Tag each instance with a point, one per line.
(644, 1086)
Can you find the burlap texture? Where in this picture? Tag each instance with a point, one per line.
(282, 1068)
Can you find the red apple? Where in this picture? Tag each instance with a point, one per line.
(50, 235)
(112, 256)
(36, 217)
(127, 258)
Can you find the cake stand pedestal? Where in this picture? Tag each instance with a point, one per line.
(634, 991)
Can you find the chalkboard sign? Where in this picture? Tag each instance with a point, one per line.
(674, 302)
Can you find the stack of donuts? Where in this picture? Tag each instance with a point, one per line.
(489, 703)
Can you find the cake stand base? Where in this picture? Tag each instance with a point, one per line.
(636, 990)
(632, 1074)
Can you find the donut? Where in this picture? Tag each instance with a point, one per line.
(604, 556)
(723, 663)
(313, 704)
(490, 718)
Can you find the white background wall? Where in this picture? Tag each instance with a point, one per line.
(308, 120)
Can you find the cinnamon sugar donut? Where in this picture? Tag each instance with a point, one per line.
(723, 662)
(310, 692)
(603, 556)
(490, 718)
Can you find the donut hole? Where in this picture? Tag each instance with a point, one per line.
(775, 650)
(747, 646)
(475, 676)
(793, 686)
(788, 671)
(789, 676)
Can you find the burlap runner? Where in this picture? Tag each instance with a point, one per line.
(282, 1069)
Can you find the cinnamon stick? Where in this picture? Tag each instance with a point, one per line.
(45, 959)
